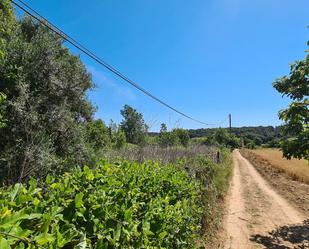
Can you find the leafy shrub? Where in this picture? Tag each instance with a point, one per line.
(97, 134)
(182, 135)
(223, 138)
(177, 136)
(124, 205)
(2, 99)
(119, 139)
(200, 163)
(46, 102)
(214, 178)
(168, 139)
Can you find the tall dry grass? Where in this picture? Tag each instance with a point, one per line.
(162, 155)
(296, 169)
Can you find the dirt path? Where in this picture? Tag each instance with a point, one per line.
(258, 217)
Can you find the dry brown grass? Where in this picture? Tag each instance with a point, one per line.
(162, 155)
(296, 169)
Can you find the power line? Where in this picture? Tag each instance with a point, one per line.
(82, 48)
(223, 121)
(86, 51)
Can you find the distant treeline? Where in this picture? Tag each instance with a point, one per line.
(259, 135)
(252, 135)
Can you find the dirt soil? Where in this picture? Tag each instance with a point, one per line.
(297, 193)
(257, 216)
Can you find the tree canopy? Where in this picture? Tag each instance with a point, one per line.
(98, 134)
(256, 136)
(46, 104)
(2, 99)
(133, 125)
(296, 116)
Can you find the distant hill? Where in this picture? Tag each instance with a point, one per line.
(268, 135)
(257, 135)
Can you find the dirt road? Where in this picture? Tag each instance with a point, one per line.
(258, 217)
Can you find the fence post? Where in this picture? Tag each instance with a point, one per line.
(218, 157)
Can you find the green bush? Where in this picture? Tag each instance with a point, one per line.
(125, 205)
(2, 99)
(182, 135)
(46, 103)
(214, 178)
(222, 173)
(97, 134)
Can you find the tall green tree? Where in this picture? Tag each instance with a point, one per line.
(46, 106)
(2, 99)
(224, 138)
(133, 125)
(163, 128)
(296, 116)
(98, 134)
(7, 23)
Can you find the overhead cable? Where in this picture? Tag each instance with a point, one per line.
(27, 9)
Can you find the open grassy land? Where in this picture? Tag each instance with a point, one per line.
(296, 169)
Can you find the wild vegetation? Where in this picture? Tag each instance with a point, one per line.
(266, 136)
(147, 192)
(125, 205)
(296, 116)
(46, 108)
(117, 205)
(69, 180)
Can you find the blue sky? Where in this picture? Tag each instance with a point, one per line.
(206, 58)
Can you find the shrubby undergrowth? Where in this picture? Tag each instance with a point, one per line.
(118, 205)
(200, 163)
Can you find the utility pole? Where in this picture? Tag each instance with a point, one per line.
(230, 122)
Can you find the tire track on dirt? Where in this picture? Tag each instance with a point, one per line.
(255, 209)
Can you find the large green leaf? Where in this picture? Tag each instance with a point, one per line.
(79, 200)
(82, 244)
(44, 238)
(4, 244)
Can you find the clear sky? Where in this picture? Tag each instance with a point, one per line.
(206, 58)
